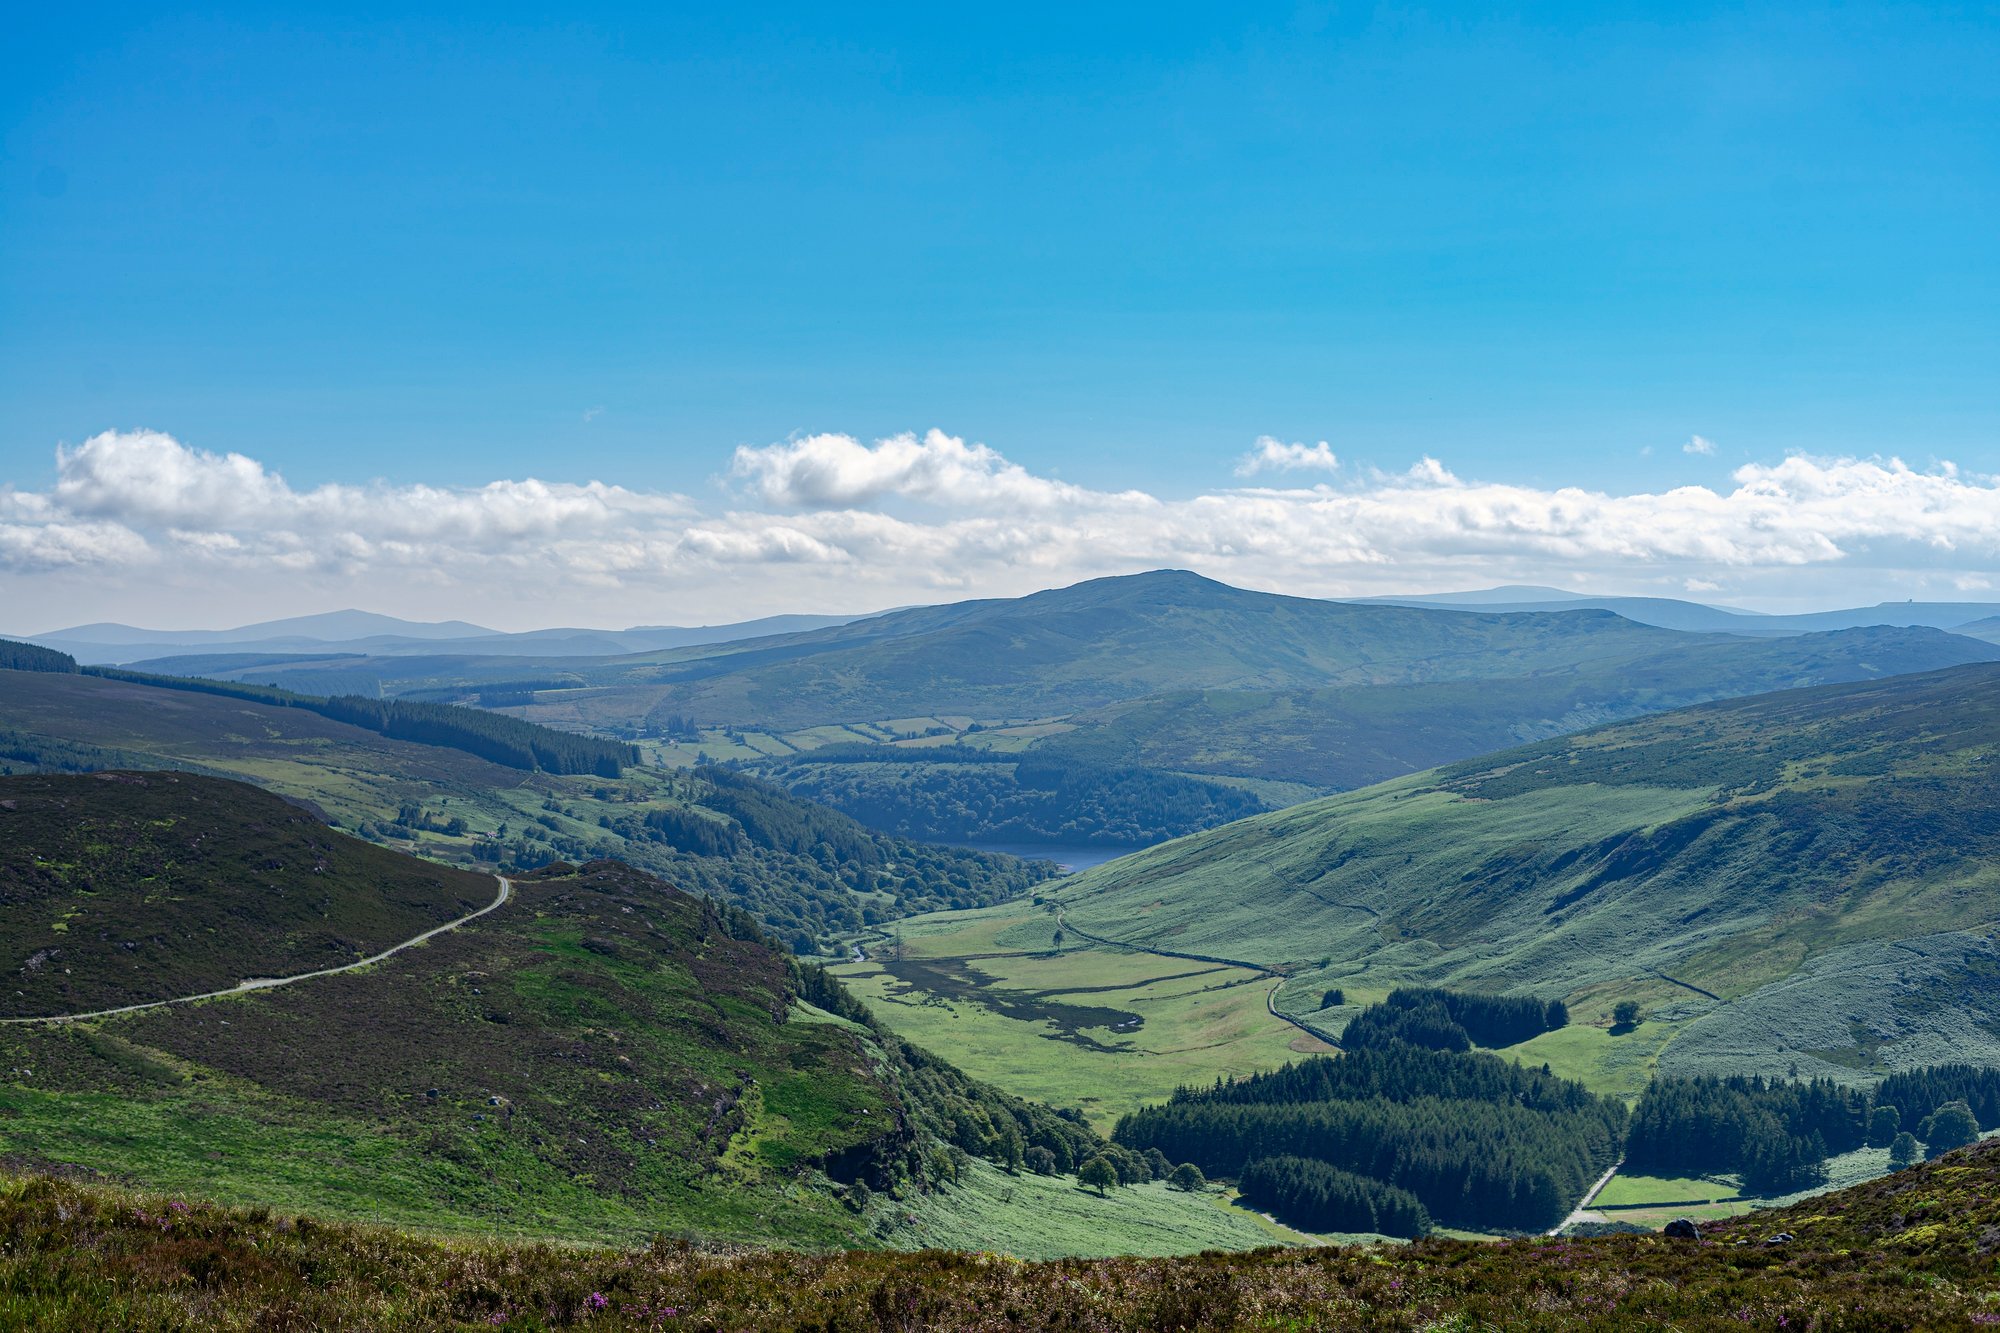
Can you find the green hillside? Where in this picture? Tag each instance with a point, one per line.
(1801, 882)
(1340, 738)
(1910, 1251)
(807, 872)
(119, 888)
(600, 1056)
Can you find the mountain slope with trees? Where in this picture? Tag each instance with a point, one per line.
(1804, 877)
(807, 872)
(1146, 680)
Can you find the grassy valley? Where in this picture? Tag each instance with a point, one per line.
(1802, 880)
(1069, 1022)
(602, 1057)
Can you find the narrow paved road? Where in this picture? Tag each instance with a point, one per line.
(1577, 1213)
(267, 983)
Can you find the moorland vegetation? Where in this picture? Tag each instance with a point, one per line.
(808, 873)
(1909, 1251)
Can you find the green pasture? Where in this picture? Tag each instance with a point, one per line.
(988, 978)
(1658, 1191)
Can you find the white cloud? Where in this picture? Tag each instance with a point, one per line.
(147, 479)
(838, 471)
(1698, 444)
(828, 522)
(1273, 455)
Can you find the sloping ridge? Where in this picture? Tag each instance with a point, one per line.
(1719, 849)
(123, 888)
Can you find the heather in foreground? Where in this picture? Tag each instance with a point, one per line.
(1914, 1250)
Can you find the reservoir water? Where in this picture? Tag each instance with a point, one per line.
(1072, 859)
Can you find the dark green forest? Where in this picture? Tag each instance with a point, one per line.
(1479, 1141)
(1442, 1020)
(1778, 1134)
(801, 868)
(28, 657)
(961, 793)
(1310, 1194)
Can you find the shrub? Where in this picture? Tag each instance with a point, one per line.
(1950, 1126)
(1098, 1174)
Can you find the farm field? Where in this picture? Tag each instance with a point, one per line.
(1102, 1029)
(1606, 1060)
(1651, 1191)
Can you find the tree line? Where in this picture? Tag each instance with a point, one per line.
(1777, 1134)
(507, 741)
(808, 872)
(1443, 1020)
(33, 657)
(1477, 1140)
(1310, 1194)
(1920, 1092)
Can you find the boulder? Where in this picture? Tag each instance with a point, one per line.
(1682, 1228)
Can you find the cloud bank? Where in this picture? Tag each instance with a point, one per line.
(831, 521)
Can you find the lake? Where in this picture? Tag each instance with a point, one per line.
(1071, 858)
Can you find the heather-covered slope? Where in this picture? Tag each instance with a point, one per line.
(121, 888)
(599, 1056)
(1910, 1251)
(603, 1057)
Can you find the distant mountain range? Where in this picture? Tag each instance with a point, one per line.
(1672, 613)
(368, 634)
(1166, 671)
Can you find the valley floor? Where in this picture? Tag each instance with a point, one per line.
(1102, 1029)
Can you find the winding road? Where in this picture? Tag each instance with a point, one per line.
(268, 983)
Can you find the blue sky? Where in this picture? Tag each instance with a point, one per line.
(1547, 246)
